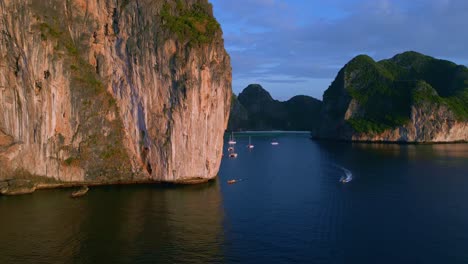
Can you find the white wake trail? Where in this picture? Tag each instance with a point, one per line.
(348, 175)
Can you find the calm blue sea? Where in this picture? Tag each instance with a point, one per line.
(404, 204)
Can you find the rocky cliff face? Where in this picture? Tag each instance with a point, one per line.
(427, 124)
(112, 91)
(408, 98)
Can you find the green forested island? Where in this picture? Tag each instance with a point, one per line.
(408, 98)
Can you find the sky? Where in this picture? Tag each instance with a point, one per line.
(294, 47)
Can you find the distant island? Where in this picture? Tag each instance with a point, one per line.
(408, 98)
(255, 109)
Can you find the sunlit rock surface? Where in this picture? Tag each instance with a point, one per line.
(112, 91)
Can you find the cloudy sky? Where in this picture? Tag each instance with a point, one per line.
(298, 46)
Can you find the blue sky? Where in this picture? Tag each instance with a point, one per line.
(295, 47)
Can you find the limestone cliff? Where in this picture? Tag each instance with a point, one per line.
(408, 98)
(112, 91)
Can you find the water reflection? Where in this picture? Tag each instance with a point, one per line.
(453, 153)
(443, 154)
(129, 224)
(416, 151)
(406, 204)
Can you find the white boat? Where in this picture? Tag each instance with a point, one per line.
(347, 177)
(231, 139)
(230, 149)
(250, 146)
(274, 143)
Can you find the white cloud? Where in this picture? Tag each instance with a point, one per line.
(297, 40)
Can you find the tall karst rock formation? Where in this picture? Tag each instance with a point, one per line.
(408, 98)
(105, 91)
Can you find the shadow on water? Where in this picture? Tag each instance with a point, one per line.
(118, 224)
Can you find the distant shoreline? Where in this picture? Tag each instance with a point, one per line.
(388, 142)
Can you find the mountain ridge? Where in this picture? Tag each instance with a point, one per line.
(255, 109)
(410, 97)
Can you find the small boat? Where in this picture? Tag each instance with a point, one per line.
(231, 181)
(344, 179)
(232, 141)
(274, 143)
(82, 191)
(347, 177)
(232, 153)
(250, 146)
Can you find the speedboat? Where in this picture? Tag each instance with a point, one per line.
(345, 179)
